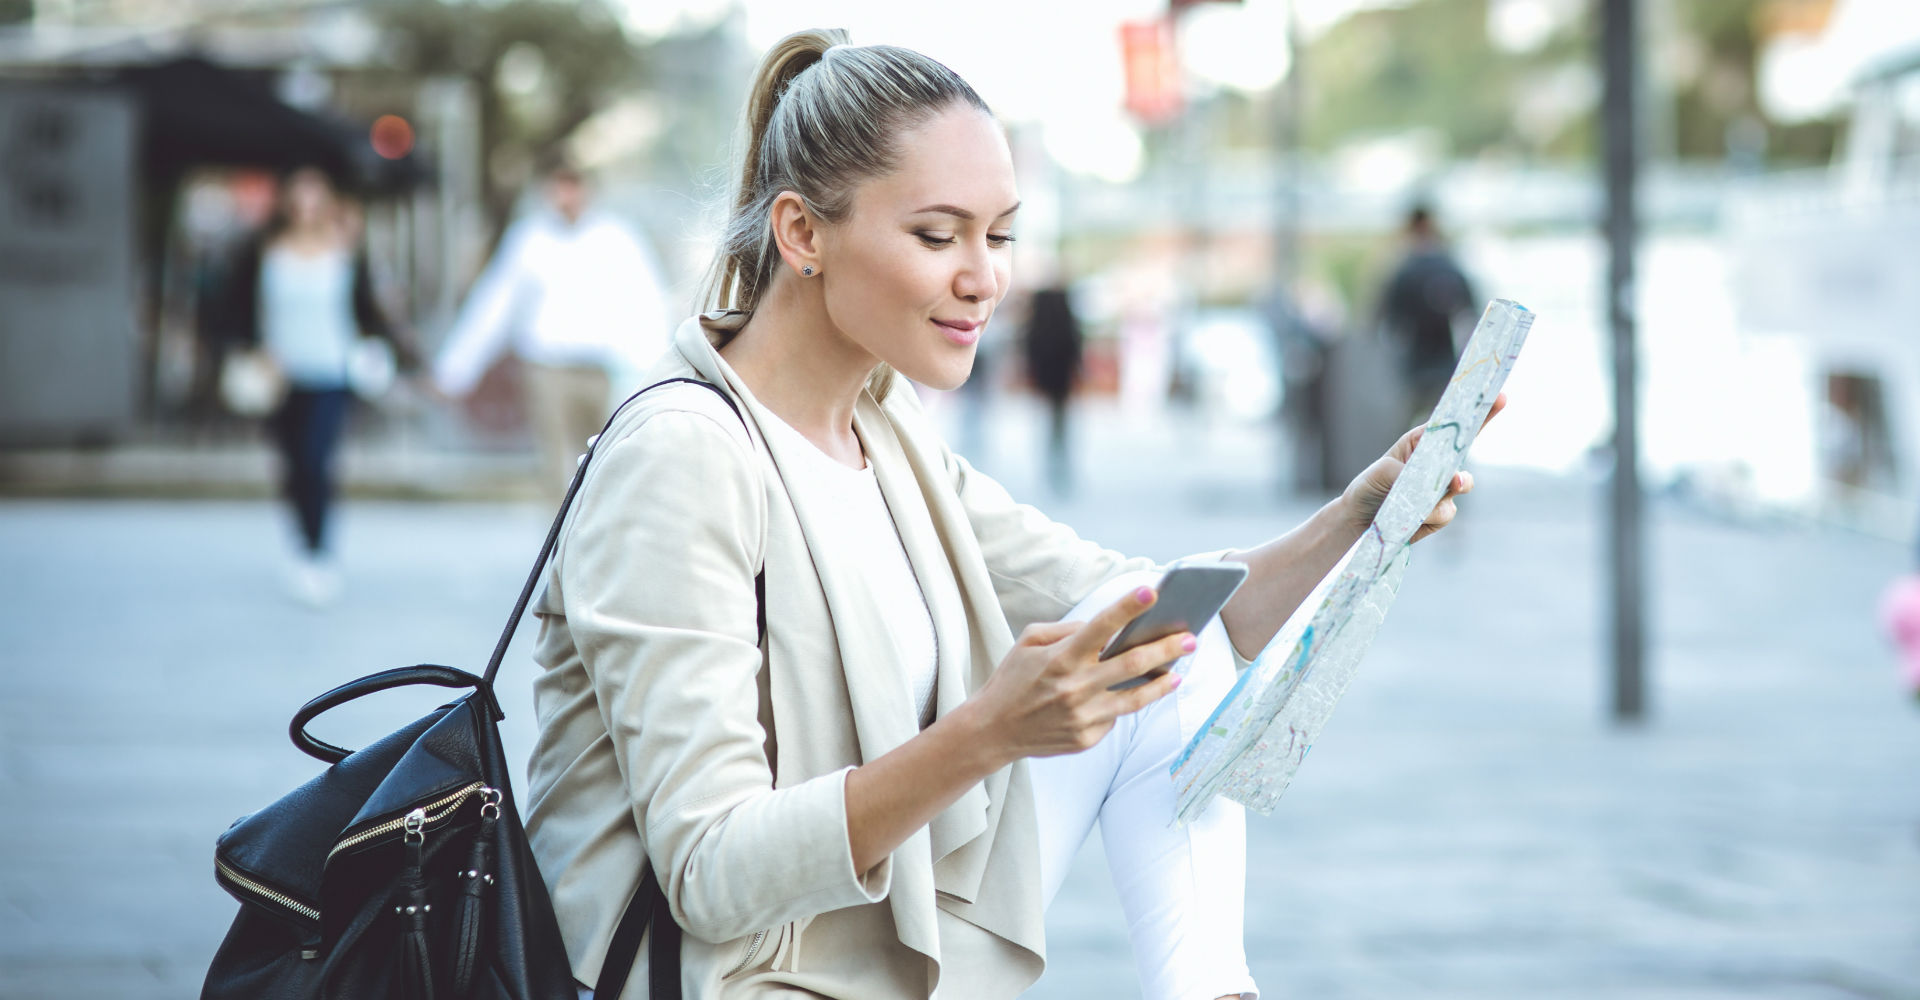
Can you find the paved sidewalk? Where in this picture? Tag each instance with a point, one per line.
(1469, 826)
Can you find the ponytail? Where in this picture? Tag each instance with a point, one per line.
(788, 58)
(821, 116)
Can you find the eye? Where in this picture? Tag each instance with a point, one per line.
(936, 241)
(1000, 239)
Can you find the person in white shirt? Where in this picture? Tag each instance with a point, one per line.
(576, 295)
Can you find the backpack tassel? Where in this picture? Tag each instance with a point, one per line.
(476, 880)
(416, 965)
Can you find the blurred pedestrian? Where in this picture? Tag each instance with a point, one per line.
(305, 316)
(1900, 616)
(1426, 312)
(1302, 348)
(1053, 344)
(577, 296)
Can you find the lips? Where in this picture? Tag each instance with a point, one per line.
(962, 333)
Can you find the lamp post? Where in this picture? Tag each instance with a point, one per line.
(1626, 542)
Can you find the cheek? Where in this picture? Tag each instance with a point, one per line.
(898, 279)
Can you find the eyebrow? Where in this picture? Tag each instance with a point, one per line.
(961, 213)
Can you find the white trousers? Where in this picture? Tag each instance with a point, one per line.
(1182, 889)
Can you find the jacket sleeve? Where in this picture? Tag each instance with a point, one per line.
(372, 318)
(657, 582)
(1040, 567)
(240, 305)
(486, 320)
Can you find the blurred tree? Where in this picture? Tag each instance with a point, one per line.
(541, 69)
(1426, 65)
(705, 69)
(16, 11)
(1716, 107)
(1433, 64)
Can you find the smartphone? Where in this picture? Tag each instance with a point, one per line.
(1189, 598)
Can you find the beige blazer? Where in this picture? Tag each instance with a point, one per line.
(667, 731)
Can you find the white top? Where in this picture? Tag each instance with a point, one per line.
(586, 293)
(863, 536)
(306, 315)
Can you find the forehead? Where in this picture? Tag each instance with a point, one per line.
(959, 158)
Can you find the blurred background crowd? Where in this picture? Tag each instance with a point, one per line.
(1224, 194)
(260, 255)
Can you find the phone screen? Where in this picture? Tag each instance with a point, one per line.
(1189, 597)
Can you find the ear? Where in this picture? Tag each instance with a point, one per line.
(796, 233)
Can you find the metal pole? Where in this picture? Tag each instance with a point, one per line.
(1288, 235)
(1286, 254)
(1626, 540)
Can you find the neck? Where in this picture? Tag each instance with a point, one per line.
(800, 366)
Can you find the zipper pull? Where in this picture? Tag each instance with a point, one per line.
(472, 923)
(412, 890)
(411, 907)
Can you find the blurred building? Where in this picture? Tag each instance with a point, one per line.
(1824, 284)
(142, 140)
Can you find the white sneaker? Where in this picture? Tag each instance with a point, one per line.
(314, 581)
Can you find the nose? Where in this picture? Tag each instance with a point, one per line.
(976, 280)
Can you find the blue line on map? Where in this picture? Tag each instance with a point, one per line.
(1306, 643)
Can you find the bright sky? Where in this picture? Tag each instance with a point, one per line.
(1051, 62)
(1807, 77)
(1056, 63)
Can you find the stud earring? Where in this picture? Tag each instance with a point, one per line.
(808, 271)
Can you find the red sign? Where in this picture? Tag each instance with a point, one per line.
(1153, 69)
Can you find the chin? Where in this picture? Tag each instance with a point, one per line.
(954, 375)
(944, 374)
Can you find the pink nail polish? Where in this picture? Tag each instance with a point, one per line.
(1190, 644)
(1176, 682)
(1143, 594)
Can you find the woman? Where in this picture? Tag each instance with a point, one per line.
(304, 297)
(875, 797)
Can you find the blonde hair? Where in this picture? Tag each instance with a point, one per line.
(821, 116)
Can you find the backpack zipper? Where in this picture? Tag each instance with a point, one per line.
(232, 876)
(433, 812)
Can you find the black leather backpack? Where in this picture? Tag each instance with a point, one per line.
(402, 871)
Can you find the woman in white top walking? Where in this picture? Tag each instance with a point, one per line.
(303, 295)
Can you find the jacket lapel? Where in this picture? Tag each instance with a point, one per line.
(988, 874)
(907, 500)
(877, 694)
(950, 860)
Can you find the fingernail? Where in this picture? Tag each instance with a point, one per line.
(1176, 682)
(1143, 595)
(1190, 644)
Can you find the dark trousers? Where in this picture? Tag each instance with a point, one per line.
(307, 428)
(1059, 445)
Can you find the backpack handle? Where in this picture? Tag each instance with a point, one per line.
(425, 673)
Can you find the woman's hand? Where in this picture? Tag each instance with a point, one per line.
(1363, 497)
(1049, 696)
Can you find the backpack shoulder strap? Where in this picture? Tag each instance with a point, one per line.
(560, 519)
(648, 907)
